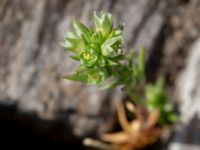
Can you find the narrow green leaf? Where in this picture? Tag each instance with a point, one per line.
(141, 60)
(75, 45)
(130, 59)
(77, 77)
(75, 58)
(81, 30)
(112, 63)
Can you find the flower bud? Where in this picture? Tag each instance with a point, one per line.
(103, 23)
(112, 47)
(88, 58)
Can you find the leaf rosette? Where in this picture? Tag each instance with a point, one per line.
(98, 48)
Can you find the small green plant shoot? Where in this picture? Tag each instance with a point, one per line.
(100, 51)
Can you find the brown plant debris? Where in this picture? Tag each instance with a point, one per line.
(135, 134)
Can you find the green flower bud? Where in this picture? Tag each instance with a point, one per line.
(103, 23)
(112, 47)
(99, 48)
(74, 44)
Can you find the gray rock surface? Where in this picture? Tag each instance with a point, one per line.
(187, 135)
(32, 63)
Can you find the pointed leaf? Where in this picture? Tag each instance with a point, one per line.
(141, 60)
(103, 23)
(77, 77)
(130, 59)
(75, 45)
(81, 30)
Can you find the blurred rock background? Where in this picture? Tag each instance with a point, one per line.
(36, 103)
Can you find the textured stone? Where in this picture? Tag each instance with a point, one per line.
(188, 92)
(32, 62)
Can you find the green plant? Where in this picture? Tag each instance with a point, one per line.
(100, 51)
(157, 98)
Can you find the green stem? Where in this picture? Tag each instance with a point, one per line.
(136, 94)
